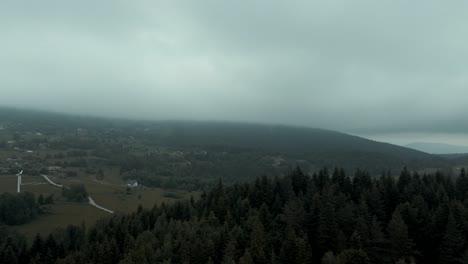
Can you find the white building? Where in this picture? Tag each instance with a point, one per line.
(132, 183)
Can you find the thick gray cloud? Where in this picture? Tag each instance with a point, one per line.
(360, 66)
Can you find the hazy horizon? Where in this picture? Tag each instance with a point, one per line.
(401, 139)
(392, 71)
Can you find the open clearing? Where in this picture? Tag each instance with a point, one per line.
(61, 215)
(112, 195)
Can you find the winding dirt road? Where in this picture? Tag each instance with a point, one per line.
(90, 199)
(51, 182)
(93, 203)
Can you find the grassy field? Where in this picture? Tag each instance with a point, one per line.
(114, 195)
(8, 183)
(110, 193)
(62, 214)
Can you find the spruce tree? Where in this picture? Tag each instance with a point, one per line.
(400, 244)
(453, 243)
(246, 258)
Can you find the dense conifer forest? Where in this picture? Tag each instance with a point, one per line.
(233, 132)
(327, 218)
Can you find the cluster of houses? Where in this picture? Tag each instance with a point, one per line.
(9, 163)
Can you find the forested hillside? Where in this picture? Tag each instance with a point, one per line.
(438, 148)
(320, 147)
(192, 155)
(324, 218)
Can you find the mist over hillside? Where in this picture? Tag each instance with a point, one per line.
(233, 132)
(275, 147)
(438, 148)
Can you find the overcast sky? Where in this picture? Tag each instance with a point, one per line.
(366, 67)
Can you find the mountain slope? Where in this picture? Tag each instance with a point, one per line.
(233, 147)
(438, 148)
(319, 147)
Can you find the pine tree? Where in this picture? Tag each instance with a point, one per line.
(400, 244)
(288, 248)
(462, 185)
(377, 244)
(465, 256)
(299, 181)
(246, 258)
(329, 258)
(404, 179)
(258, 242)
(375, 202)
(353, 256)
(51, 249)
(40, 199)
(8, 255)
(230, 253)
(49, 199)
(303, 251)
(390, 195)
(37, 247)
(327, 231)
(294, 213)
(453, 243)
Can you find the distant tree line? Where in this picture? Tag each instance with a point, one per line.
(325, 218)
(42, 200)
(191, 171)
(17, 209)
(75, 193)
